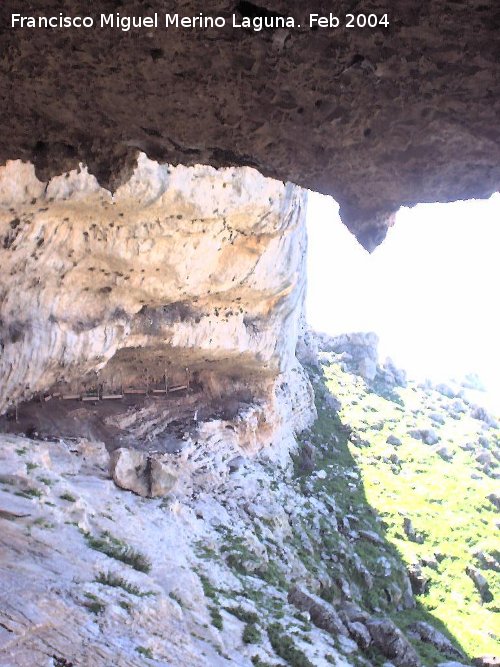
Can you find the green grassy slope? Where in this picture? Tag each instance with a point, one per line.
(443, 492)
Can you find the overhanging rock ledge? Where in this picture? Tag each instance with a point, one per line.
(375, 117)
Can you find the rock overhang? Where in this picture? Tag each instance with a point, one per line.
(178, 299)
(376, 117)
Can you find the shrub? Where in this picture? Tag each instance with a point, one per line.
(115, 548)
(109, 579)
(285, 648)
(216, 617)
(251, 634)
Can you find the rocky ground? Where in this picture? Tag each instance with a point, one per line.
(372, 544)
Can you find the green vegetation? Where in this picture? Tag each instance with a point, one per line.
(115, 581)
(146, 652)
(284, 646)
(42, 523)
(237, 554)
(93, 604)
(257, 662)
(208, 588)
(251, 634)
(344, 525)
(215, 615)
(442, 492)
(212, 594)
(29, 493)
(243, 615)
(68, 497)
(117, 549)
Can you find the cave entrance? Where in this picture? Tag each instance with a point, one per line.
(428, 290)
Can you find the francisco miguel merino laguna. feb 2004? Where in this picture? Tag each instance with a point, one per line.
(200, 21)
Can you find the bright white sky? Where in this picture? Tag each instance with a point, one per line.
(430, 291)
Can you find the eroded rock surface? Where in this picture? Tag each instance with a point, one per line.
(103, 576)
(375, 117)
(182, 293)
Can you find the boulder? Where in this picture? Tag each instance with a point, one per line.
(446, 390)
(458, 407)
(487, 561)
(392, 643)
(430, 561)
(349, 612)
(394, 441)
(163, 479)
(480, 583)
(372, 537)
(419, 582)
(494, 499)
(360, 634)
(437, 418)
(127, 467)
(427, 435)
(306, 458)
(236, 463)
(487, 661)
(410, 531)
(444, 453)
(145, 474)
(322, 614)
(479, 413)
(427, 633)
(484, 457)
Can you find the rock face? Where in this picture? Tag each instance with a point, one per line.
(358, 350)
(187, 278)
(102, 576)
(408, 111)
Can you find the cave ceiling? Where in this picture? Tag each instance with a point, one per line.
(376, 117)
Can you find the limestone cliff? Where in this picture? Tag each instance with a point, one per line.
(186, 278)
